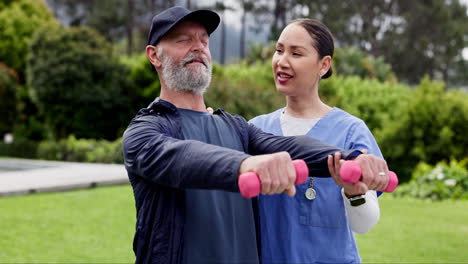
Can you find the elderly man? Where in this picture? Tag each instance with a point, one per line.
(184, 163)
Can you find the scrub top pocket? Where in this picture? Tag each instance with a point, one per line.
(327, 209)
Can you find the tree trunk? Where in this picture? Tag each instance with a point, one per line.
(130, 14)
(222, 50)
(276, 15)
(242, 36)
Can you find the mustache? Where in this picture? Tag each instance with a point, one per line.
(193, 56)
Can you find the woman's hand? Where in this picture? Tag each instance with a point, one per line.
(350, 190)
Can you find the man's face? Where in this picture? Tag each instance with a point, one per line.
(186, 59)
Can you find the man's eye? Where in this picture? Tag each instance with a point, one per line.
(297, 54)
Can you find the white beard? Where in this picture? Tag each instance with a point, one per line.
(180, 78)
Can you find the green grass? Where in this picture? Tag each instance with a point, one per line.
(86, 226)
(415, 231)
(97, 225)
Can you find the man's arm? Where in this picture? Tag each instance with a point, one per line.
(150, 152)
(312, 151)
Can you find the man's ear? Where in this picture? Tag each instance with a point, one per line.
(152, 55)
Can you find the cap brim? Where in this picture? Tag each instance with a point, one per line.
(209, 19)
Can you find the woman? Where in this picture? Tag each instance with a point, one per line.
(315, 226)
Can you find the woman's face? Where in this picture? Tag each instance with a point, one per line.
(296, 64)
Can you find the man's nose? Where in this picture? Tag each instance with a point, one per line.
(197, 45)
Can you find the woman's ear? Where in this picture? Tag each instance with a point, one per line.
(152, 55)
(325, 64)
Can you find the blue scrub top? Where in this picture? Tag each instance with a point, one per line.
(298, 230)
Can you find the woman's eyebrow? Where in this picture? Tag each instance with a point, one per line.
(298, 47)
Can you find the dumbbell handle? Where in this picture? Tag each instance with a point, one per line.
(351, 173)
(249, 182)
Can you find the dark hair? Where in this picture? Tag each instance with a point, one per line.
(322, 38)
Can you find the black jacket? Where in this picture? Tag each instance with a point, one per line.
(161, 164)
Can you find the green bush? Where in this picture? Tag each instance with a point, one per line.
(430, 127)
(81, 150)
(351, 61)
(439, 182)
(29, 124)
(19, 20)
(21, 148)
(247, 90)
(8, 87)
(373, 101)
(79, 85)
(144, 80)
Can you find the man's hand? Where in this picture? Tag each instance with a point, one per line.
(374, 171)
(276, 172)
(350, 190)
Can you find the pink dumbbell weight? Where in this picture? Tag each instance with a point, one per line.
(249, 183)
(351, 173)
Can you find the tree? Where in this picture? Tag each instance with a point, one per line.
(280, 11)
(19, 19)
(221, 7)
(8, 87)
(431, 40)
(78, 84)
(415, 37)
(117, 20)
(250, 7)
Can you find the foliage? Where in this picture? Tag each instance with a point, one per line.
(124, 21)
(78, 84)
(8, 87)
(29, 124)
(415, 37)
(20, 147)
(144, 80)
(245, 90)
(19, 20)
(439, 182)
(259, 52)
(69, 149)
(371, 100)
(81, 150)
(428, 40)
(352, 61)
(431, 126)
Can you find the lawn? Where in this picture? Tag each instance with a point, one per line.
(86, 226)
(96, 226)
(415, 231)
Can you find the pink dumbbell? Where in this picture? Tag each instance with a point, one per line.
(351, 173)
(249, 183)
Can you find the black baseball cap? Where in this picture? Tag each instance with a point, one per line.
(163, 22)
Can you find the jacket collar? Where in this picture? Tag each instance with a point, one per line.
(159, 104)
